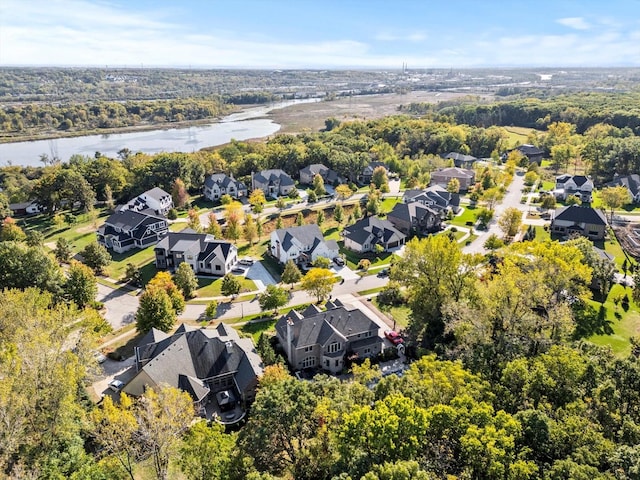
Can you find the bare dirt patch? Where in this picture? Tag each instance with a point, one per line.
(308, 117)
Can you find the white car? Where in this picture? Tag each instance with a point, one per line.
(116, 385)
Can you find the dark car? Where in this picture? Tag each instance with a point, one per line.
(384, 272)
(238, 271)
(338, 261)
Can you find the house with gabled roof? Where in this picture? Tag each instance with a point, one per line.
(302, 244)
(128, 229)
(579, 185)
(219, 184)
(273, 183)
(443, 176)
(576, 219)
(415, 218)
(630, 182)
(32, 207)
(365, 177)
(329, 176)
(203, 252)
(365, 234)
(323, 340)
(435, 197)
(156, 199)
(204, 362)
(460, 160)
(533, 153)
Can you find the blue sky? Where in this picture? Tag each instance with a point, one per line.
(320, 34)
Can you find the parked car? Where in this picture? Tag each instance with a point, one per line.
(116, 385)
(246, 261)
(394, 337)
(100, 358)
(384, 272)
(338, 261)
(238, 271)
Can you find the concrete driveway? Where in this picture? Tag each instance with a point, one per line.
(121, 306)
(345, 272)
(260, 276)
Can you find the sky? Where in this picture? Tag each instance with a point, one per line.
(320, 34)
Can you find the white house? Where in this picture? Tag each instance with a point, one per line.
(155, 199)
(302, 244)
(578, 185)
(219, 184)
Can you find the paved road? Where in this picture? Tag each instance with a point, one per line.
(121, 306)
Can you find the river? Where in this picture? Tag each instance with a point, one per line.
(238, 126)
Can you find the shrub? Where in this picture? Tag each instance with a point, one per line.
(172, 214)
(364, 264)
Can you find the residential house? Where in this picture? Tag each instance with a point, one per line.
(415, 218)
(364, 178)
(128, 229)
(200, 361)
(273, 182)
(435, 197)
(579, 185)
(155, 199)
(25, 208)
(443, 176)
(329, 176)
(460, 160)
(219, 184)
(316, 339)
(302, 244)
(585, 221)
(205, 254)
(365, 234)
(630, 182)
(533, 153)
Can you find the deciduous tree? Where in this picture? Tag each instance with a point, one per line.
(257, 200)
(291, 273)
(250, 230)
(185, 279)
(614, 197)
(97, 257)
(155, 311)
(81, 286)
(230, 285)
(273, 298)
(179, 194)
(164, 281)
(510, 221)
(318, 282)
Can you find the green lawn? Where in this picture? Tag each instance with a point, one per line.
(517, 135)
(353, 258)
(387, 205)
(624, 325)
(139, 258)
(612, 247)
(399, 314)
(210, 287)
(468, 215)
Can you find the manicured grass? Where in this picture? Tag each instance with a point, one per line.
(517, 135)
(210, 287)
(255, 329)
(468, 215)
(542, 235)
(370, 291)
(548, 186)
(387, 204)
(177, 226)
(624, 324)
(353, 258)
(139, 258)
(399, 314)
(612, 247)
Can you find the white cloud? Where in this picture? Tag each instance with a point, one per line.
(577, 23)
(403, 37)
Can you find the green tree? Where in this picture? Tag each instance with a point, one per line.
(81, 286)
(510, 221)
(299, 219)
(214, 227)
(279, 223)
(273, 298)
(291, 273)
(133, 275)
(614, 197)
(22, 267)
(379, 177)
(35, 238)
(312, 197)
(548, 202)
(318, 185)
(212, 309)
(265, 350)
(226, 199)
(320, 218)
(338, 214)
(62, 251)
(185, 279)
(164, 281)
(281, 204)
(493, 242)
(230, 285)
(322, 262)
(357, 212)
(453, 186)
(250, 230)
(11, 232)
(97, 257)
(108, 198)
(530, 178)
(492, 196)
(206, 452)
(318, 282)
(155, 311)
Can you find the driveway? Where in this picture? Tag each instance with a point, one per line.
(120, 305)
(260, 276)
(345, 272)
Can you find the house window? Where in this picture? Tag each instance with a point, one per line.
(201, 264)
(309, 362)
(337, 363)
(334, 347)
(308, 349)
(217, 267)
(367, 351)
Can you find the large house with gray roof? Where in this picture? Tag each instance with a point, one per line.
(579, 185)
(630, 182)
(155, 199)
(302, 244)
(466, 178)
(576, 219)
(205, 254)
(330, 177)
(365, 234)
(461, 160)
(415, 218)
(366, 175)
(273, 183)
(128, 229)
(219, 184)
(204, 362)
(323, 340)
(435, 197)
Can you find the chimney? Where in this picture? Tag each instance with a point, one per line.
(289, 339)
(229, 347)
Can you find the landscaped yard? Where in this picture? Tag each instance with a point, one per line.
(210, 287)
(353, 258)
(400, 314)
(468, 215)
(623, 324)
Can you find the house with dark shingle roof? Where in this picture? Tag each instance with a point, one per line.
(435, 197)
(219, 184)
(329, 176)
(576, 219)
(365, 234)
(128, 229)
(302, 244)
(415, 218)
(630, 182)
(200, 250)
(533, 153)
(273, 183)
(364, 177)
(204, 362)
(155, 199)
(316, 339)
(465, 177)
(460, 160)
(579, 185)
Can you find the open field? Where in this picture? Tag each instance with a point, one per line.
(311, 116)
